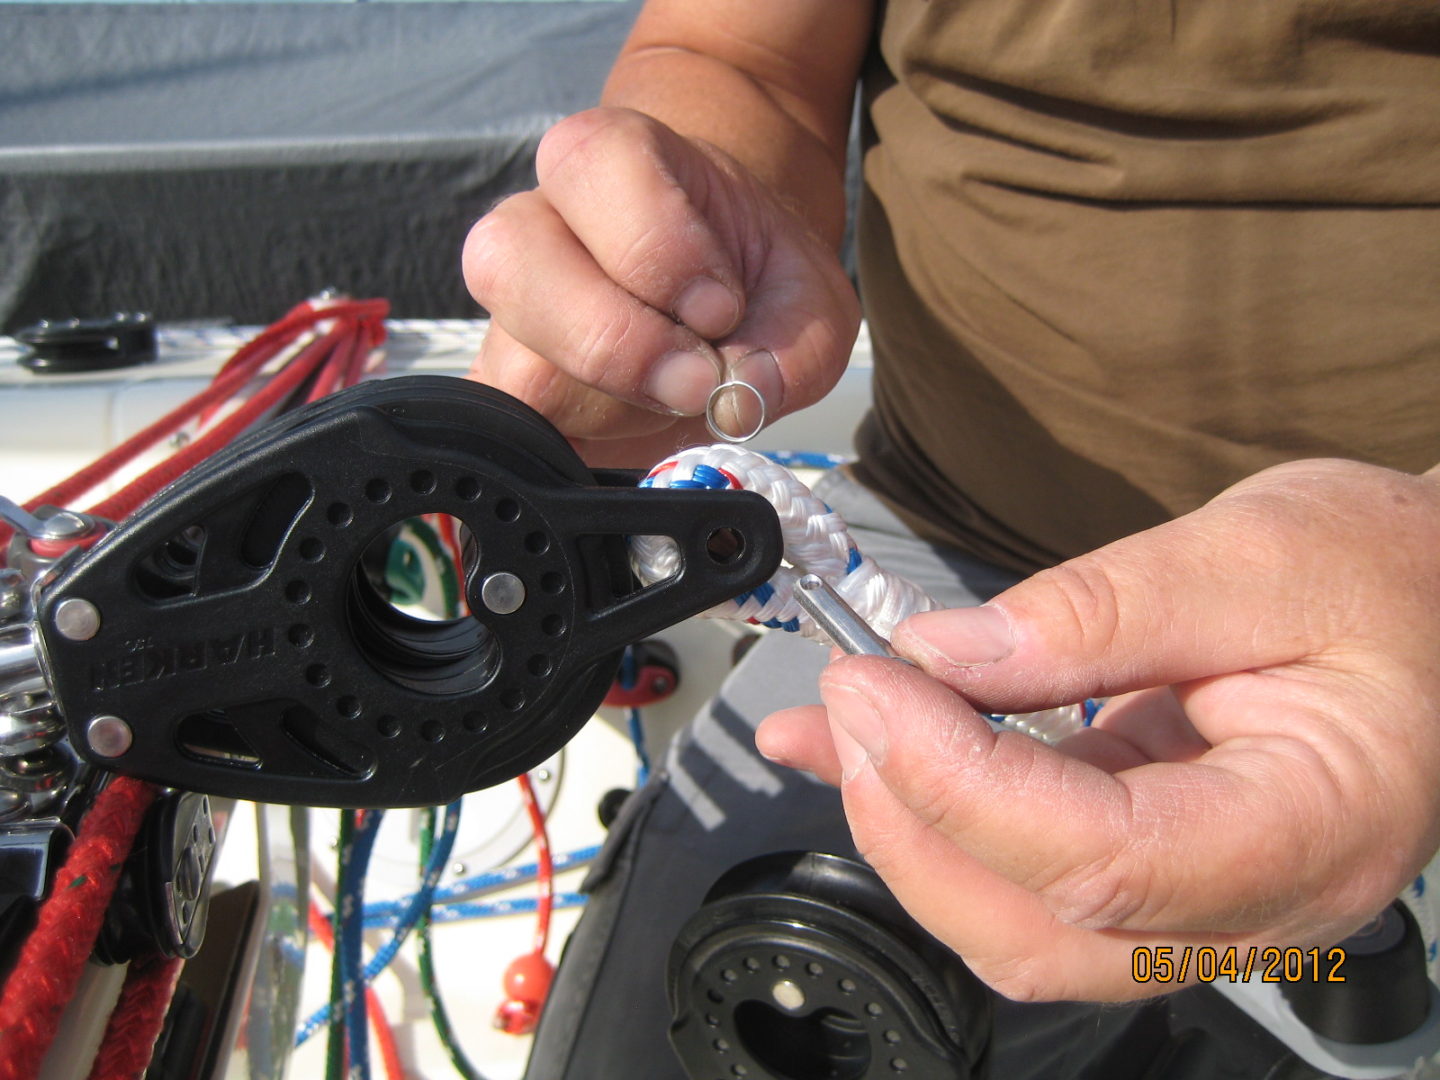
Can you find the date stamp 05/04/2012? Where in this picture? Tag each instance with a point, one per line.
(1208, 964)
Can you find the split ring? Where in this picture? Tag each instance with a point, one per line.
(713, 399)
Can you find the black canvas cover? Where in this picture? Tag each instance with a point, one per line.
(227, 160)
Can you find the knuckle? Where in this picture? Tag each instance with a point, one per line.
(951, 808)
(579, 142)
(1106, 892)
(525, 376)
(824, 336)
(1083, 602)
(660, 254)
(1022, 979)
(938, 807)
(597, 348)
(492, 246)
(560, 140)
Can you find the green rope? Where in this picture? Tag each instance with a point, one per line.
(405, 571)
(335, 1043)
(427, 968)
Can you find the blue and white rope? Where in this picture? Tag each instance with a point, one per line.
(626, 680)
(421, 899)
(402, 915)
(354, 865)
(385, 912)
(464, 910)
(817, 542)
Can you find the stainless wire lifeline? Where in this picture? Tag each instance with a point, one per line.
(714, 398)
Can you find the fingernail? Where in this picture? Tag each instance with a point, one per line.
(786, 763)
(964, 636)
(683, 381)
(774, 758)
(707, 307)
(858, 731)
(851, 754)
(762, 371)
(736, 409)
(762, 745)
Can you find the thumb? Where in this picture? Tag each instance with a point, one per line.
(1136, 850)
(1272, 572)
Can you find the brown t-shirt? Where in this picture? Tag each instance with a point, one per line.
(1117, 256)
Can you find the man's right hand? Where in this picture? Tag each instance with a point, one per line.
(644, 270)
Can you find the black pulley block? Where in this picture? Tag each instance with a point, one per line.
(162, 899)
(72, 346)
(231, 639)
(802, 966)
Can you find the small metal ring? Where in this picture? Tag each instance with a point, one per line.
(715, 429)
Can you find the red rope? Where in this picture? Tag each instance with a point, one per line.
(287, 328)
(546, 877)
(450, 537)
(138, 1019)
(53, 957)
(372, 334)
(243, 366)
(126, 500)
(328, 376)
(347, 356)
(238, 370)
(527, 978)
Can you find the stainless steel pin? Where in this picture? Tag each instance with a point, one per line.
(838, 619)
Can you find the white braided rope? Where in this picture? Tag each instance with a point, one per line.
(817, 542)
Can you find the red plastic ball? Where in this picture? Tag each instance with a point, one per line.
(528, 978)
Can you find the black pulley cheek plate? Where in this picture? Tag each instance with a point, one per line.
(246, 645)
(804, 965)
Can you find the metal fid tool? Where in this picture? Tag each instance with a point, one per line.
(838, 619)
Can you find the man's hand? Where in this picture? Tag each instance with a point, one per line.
(1267, 774)
(644, 270)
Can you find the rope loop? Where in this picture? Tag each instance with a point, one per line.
(817, 542)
